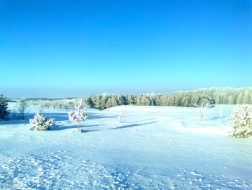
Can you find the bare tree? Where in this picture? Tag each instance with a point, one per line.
(41, 107)
(60, 104)
(120, 116)
(54, 104)
(66, 105)
(47, 104)
(22, 106)
(202, 109)
(221, 112)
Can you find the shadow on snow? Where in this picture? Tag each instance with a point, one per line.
(62, 127)
(133, 125)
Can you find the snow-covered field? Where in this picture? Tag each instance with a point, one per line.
(151, 148)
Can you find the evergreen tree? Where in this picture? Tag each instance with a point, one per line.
(78, 115)
(4, 112)
(90, 102)
(103, 100)
(120, 100)
(246, 97)
(240, 98)
(242, 121)
(185, 101)
(216, 97)
(138, 100)
(130, 100)
(111, 102)
(41, 123)
(196, 97)
(145, 101)
(250, 102)
(231, 100)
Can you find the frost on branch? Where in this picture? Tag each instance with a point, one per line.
(78, 115)
(242, 121)
(202, 109)
(41, 123)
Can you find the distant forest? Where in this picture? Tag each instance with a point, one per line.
(181, 98)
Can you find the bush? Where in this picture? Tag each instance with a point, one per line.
(3, 108)
(242, 121)
(41, 123)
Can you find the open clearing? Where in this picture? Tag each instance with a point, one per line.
(151, 148)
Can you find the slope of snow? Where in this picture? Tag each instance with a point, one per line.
(151, 148)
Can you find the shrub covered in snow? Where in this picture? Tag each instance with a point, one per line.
(3, 108)
(78, 115)
(242, 121)
(41, 123)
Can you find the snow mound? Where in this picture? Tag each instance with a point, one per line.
(57, 170)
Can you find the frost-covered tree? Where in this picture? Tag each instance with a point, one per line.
(3, 108)
(41, 123)
(231, 100)
(54, 104)
(242, 121)
(240, 98)
(78, 115)
(246, 97)
(221, 112)
(60, 104)
(41, 106)
(202, 109)
(66, 105)
(120, 116)
(22, 106)
(47, 104)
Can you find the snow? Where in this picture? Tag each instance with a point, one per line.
(151, 148)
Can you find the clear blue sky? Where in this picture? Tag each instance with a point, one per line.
(59, 48)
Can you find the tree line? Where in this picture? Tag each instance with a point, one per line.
(181, 98)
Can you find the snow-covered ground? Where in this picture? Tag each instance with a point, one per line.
(151, 148)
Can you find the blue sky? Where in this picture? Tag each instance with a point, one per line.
(59, 48)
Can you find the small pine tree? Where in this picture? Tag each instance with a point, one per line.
(78, 115)
(4, 112)
(41, 123)
(242, 121)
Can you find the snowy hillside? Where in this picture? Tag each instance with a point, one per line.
(151, 148)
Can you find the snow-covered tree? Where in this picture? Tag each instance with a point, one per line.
(60, 104)
(242, 121)
(41, 123)
(3, 107)
(22, 106)
(221, 112)
(78, 115)
(66, 105)
(120, 116)
(47, 104)
(240, 98)
(54, 104)
(202, 109)
(41, 107)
